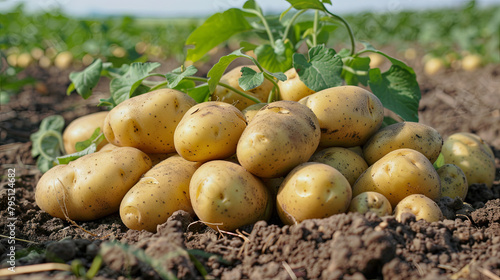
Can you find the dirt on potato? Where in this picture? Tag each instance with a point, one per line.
(466, 245)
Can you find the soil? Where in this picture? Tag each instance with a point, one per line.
(466, 245)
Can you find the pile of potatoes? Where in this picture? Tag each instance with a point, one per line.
(310, 155)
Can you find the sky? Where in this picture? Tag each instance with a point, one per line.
(186, 8)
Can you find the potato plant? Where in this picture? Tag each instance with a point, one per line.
(241, 150)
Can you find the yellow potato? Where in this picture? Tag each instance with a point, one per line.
(231, 78)
(250, 111)
(399, 174)
(348, 115)
(293, 88)
(209, 131)
(282, 135)
(453, 181)
(162, 190)
(226, 196)
(82, 129)
(411, 135)
(349, 163)
(469, 152)
(92, 186)
(371, 202)
(312, 190)
(148, 121)
(421, 206)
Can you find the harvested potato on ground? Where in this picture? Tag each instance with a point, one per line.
(162, 190)
(92, 186)
(469, 152)
(209, 131)
(231, 78)
(250, 111)
(293, 88)
(453, 181)
(82, 129)
(226, 196)
(421, 206)
(411, 135)
(312, 190)
(399, 174)
(282, 135)
(148, 121)
(348, 115)
(371, 202)
(349, 163)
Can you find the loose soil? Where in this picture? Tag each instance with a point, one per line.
(466, 245)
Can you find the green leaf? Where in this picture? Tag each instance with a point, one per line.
(124, 87)
(322, 71)
(200, 93)
(247, 46)
(439, 162)
(214, 31)
(215, 74)
(398, 90)
(250, 78)
(47, 142)
(307, 4)
(178, 74)
(71, 157)
(85, 80)
(388, 121)
(279, 75)
(185, 85)
(96, 137)
(356, 70)
(277, 59)
(394, 61)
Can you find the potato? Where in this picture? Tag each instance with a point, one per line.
(349, 163)
(231, 78)
(312, 190)
(412, 135)
(148, 121)
(293, 88)
(282, 135)
(82, 129)
(155, 158)
(226, 196)
(371, 202)
(453, 181)
(92, 186)
(348, 115)
(209, 131)
(399, 174)
(250, 111)
(421, 206)
(162, 190)
(469, 152)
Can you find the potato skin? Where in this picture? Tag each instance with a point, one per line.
(421, 206)
(250, 111)
(81, 129)
(398, 174)
(209, 131)
(282, 135)
(371, 202)
(148, 121)
(348, 115)
(231, 78)
(453, 181)
(312, 190)
(348, 162)
(293, 88)
(162, 190)
(411, 135)
(469, 152)
(226, 196)
(92, 186)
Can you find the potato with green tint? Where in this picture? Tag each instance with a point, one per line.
(162, 190)
(231, 78)
(82, 129)
(282, 135)
(348, 115)
(453, 181)
(209, 131)
(421, 206)
(92, 186)
(349, 163)
(148, 121)
(293, 88)
(312, 190)
(398, 174)
(473, 155)
(411, 135)
(225, 196)
(371, 202)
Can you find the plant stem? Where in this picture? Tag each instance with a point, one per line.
(315, 28)
(289, 26)
(276, 87)
(258, 13)
(349, 31)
